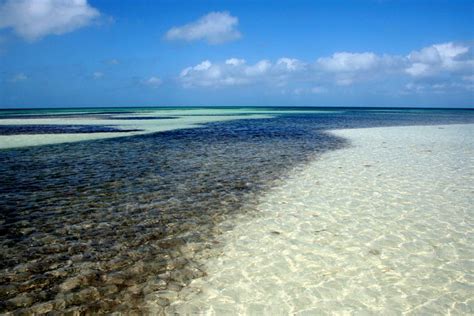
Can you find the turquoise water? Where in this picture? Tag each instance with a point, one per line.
(33, 127)
(103, 221)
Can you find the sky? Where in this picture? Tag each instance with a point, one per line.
(95, 53)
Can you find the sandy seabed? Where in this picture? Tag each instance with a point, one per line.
(384, 226)
(168, 120)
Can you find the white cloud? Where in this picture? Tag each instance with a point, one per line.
(349, 62)
(34, 19)
(258, 69)
(427, 55)
(205, 74)
(345, 68)
(290, 64)
(206, 64)
(18, 77)
(439, 59)
(450, 50)
(443, 65)
(440, 68)
(418, 69)
(97, 75)
(153, 82)
(233, 71)
(215, 28)
(235, 61)
(280, 73)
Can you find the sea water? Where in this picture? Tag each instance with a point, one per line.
(127, 223)
(383, 226)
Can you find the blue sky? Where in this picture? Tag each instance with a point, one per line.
(60, 53)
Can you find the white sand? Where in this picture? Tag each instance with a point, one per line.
(383, 227)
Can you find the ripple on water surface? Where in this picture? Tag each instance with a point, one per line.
(99, 226)
(383, 226)
(112, 225)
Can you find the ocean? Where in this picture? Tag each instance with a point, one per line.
(236, 210)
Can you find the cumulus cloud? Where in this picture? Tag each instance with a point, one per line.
(152, 82)
(418, 69)
(205, 74)
(340, 69)
(215, 28)
(290, 64)
(439, 58)
(347, 68)
(348, 62)
(258, 69)
(235, 61)
(236, 71)
(438, 67)
(34, 19)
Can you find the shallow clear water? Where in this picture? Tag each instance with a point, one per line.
(125, 224)
(45, 127)
(384, 226)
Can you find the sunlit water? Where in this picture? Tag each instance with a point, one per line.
(91, 224)
(385, 226)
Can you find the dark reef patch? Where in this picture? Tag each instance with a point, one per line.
(97, 226)
(59, 129)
